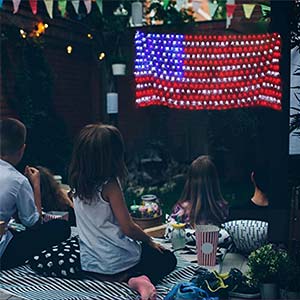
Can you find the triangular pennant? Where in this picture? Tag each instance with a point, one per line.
(248, 10)
(228, 21)
(1, 2)
(166, 3)
(76, 5)
(49, 7)
(212, 8)
(100, 5)
(16, 4)
(265, 9)
(62, 5)
(88, 5)
(33, 5)
(230, 8)
(196, 5)
(179, 4)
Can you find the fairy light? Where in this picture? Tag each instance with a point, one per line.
(23, 33)
(101, 56)
(69, 49)
(208, 72)
(89, 35)
(39, 29)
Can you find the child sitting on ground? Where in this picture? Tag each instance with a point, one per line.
(18, 197)
(53, 197)
(110, 242)
(201, 200)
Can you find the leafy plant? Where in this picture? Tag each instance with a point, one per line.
(267, 264)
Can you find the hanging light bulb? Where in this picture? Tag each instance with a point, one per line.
(23, 33)
(69, 49)
(101, 55)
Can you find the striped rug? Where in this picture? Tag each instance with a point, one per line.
(23, 282)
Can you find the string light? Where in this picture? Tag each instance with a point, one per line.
(39, 29)
(89, 35)
(23, 33)
(208, 71)
(101, 56)
(69, 49)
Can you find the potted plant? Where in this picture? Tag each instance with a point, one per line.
(115, 26)
(266, 265)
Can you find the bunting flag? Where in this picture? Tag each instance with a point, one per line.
(33, 5)
(100, 5)
(88, 5)
(210, 72)
(230, 8)
(196, 5)
(49, 7)
(265, 9)
(248, 10)
(62, 5)
(179, 4)
(76, 5)
(16, 4)
(166, 3)
(212, 8)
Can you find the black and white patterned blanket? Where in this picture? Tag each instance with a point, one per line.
(25, 283)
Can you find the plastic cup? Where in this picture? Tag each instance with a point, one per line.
(207, 242)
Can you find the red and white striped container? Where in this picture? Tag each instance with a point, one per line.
(53, 215)
(207, 242)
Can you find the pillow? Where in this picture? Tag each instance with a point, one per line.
(247, 235)
(224, 240)
(62, 260)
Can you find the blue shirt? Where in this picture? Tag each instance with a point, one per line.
(16, 195)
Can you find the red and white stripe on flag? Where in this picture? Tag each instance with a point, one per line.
(199, 72)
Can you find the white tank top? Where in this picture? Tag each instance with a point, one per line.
(103, 246)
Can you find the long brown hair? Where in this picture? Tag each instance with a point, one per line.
(202, 190)
(52, 196)
(98, 155)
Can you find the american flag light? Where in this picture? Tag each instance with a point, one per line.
(208, 71)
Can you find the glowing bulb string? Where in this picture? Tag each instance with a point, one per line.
(208, 71)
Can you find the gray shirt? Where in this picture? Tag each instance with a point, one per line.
(104, 248)
(16, 196)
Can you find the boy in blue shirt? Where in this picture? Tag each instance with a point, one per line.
(18, 197)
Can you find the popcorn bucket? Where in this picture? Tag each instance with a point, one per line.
(207, 242)
(54, 215)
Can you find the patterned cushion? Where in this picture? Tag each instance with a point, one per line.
(224, 241)
(247, 235)
(62, 260)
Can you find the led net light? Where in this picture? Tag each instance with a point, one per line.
(208, 71)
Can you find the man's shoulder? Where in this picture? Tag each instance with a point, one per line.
(10, 175)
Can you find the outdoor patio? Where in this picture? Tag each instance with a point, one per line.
(180, 80)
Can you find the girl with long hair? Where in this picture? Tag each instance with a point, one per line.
(110, 242)
(201, 201)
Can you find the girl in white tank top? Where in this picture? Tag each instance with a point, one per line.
(110, 242)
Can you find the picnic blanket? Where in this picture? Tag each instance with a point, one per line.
(25, 283)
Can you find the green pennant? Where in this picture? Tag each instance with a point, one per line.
(62, 4)
(166, 2)
(265, 9)
(100, 5)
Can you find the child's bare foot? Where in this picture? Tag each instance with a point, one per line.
(143, 285)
